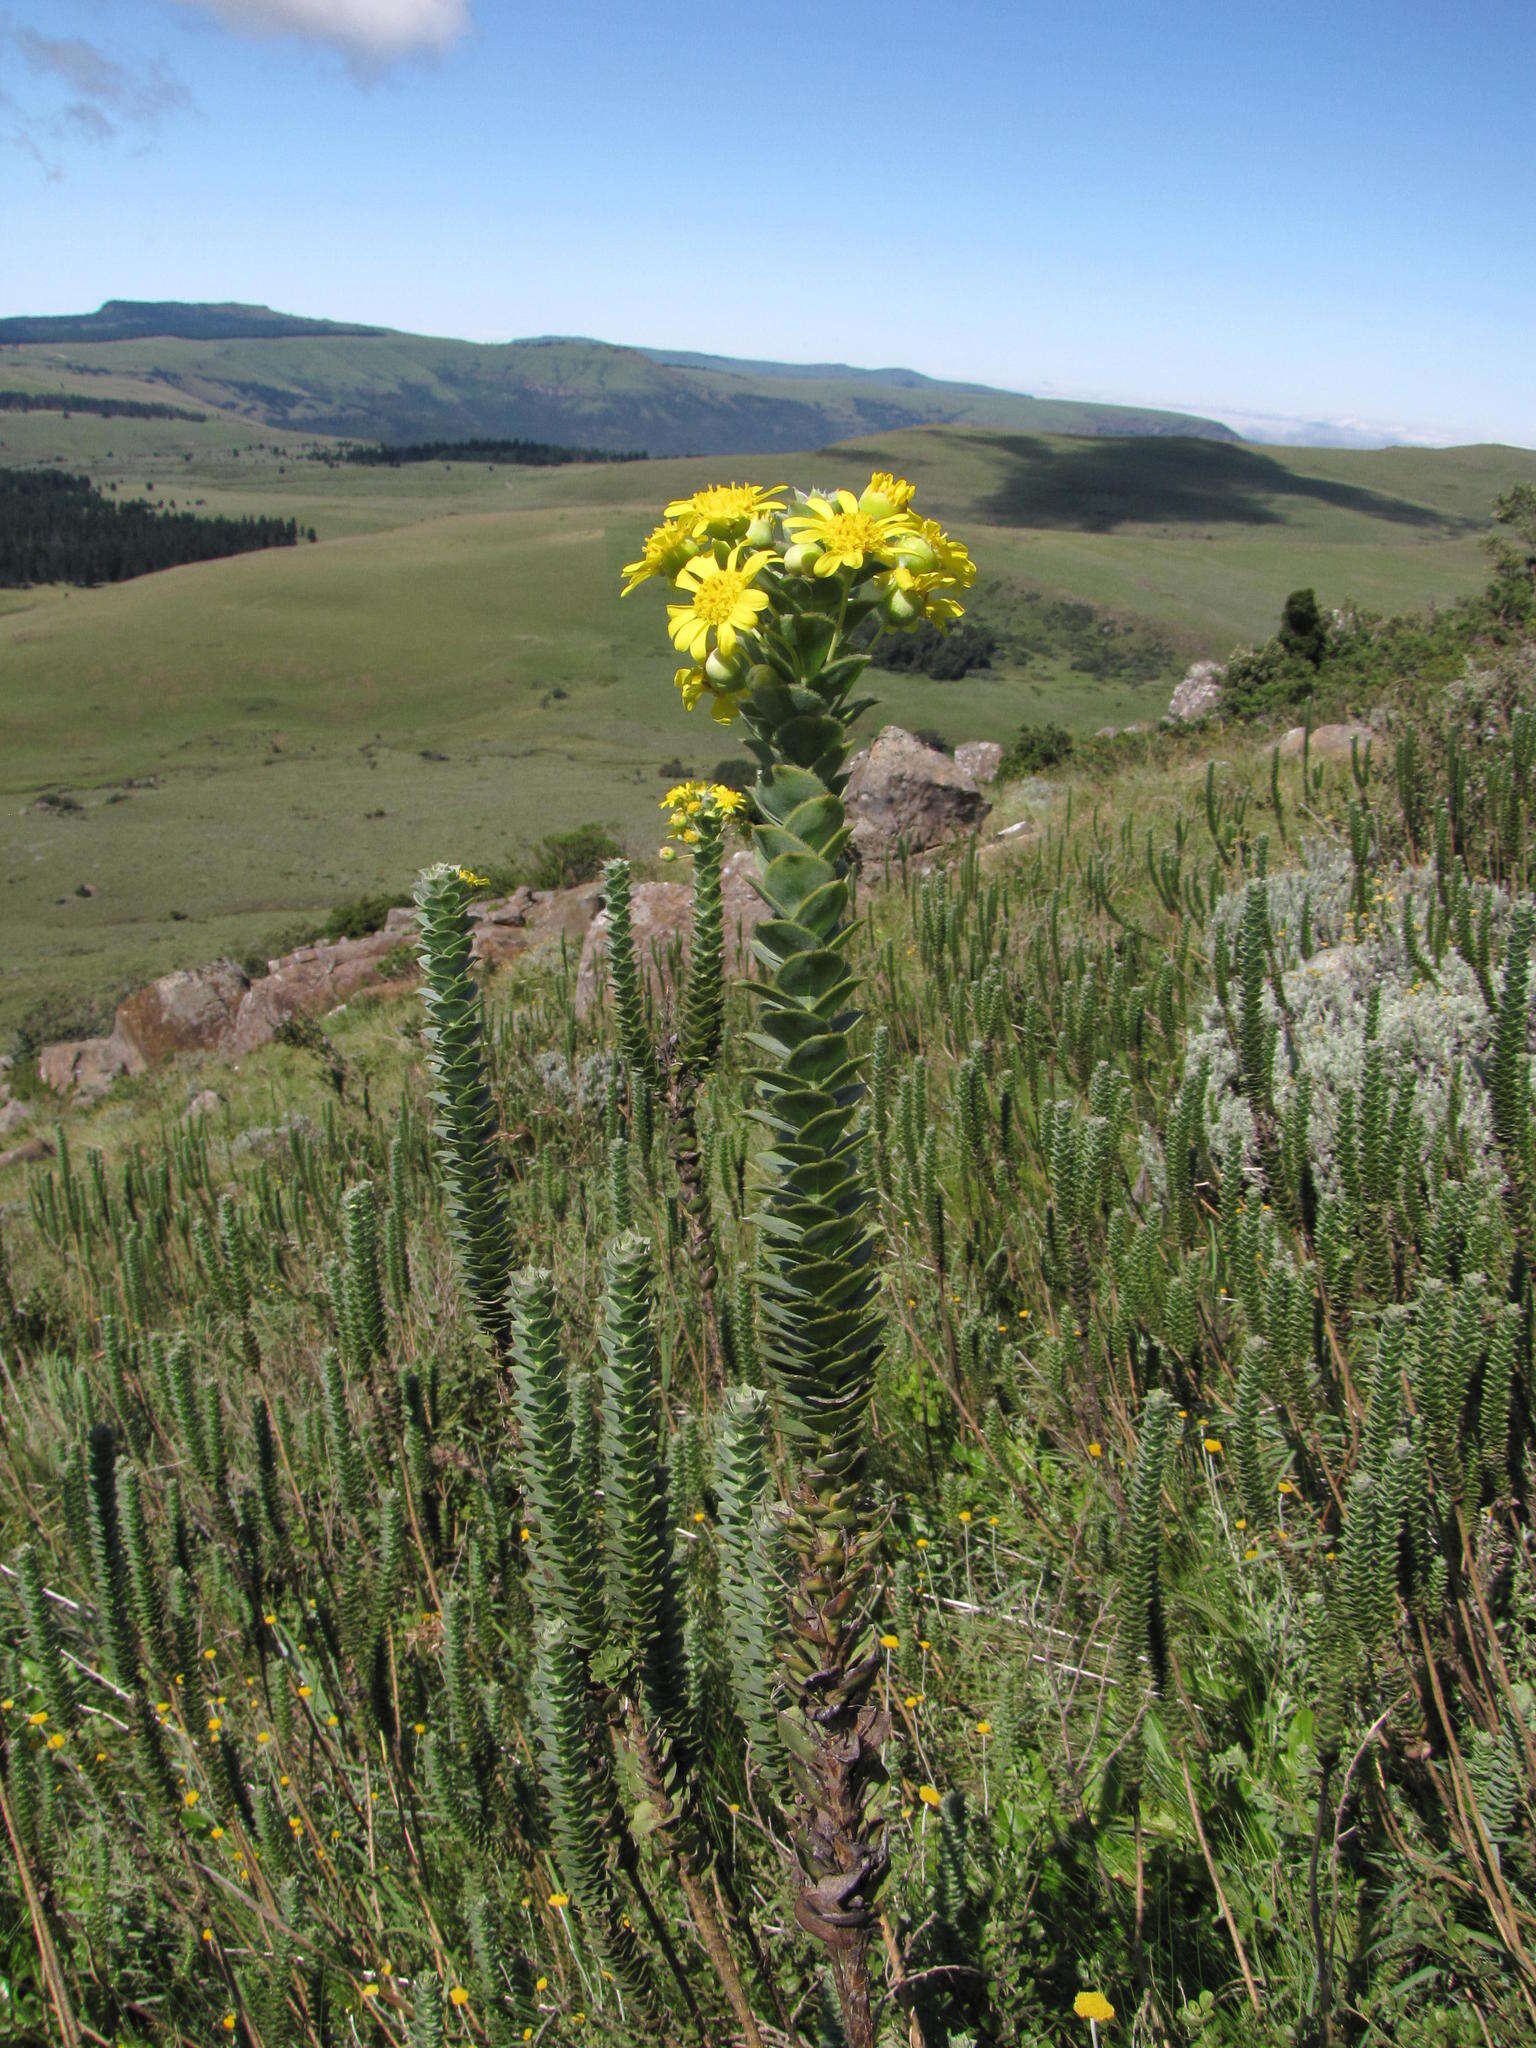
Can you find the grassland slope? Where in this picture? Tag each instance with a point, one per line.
(249, 741)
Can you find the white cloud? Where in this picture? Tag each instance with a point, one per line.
(376, 29)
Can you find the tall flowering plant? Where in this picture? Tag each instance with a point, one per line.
(773, 597)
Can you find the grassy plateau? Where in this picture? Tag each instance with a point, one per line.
(248, 740)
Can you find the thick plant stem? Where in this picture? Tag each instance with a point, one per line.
(821, 1335)
(692, 1176)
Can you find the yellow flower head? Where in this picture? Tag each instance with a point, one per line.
(886, 493)
(889, 1641)
(840, 534)
(722, 603)
(725, 511)
(459, 1995)
(912, 597)
(475, 881)
(1092, 2005)
(662, 553)
(1213, 1446)
(1095, 1450)
(559, 1900)
(928, 549)
(983, 1727)
(929, 1795)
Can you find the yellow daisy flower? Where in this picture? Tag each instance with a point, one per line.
(662, 553)
(924, 546)
(721, 604)
(1092, 2005)
(840, 534)
(886, 493)
(725, 511)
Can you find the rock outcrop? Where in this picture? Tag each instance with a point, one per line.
(1329, 742)
(189, 1011)
(661, 918)
(86, 1067)
(1198, 694)
(306, 983)
(903, 791)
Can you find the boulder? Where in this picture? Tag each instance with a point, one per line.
(900, 790)
(28, 1149)
(661, 918)
(1329, 742)
(189, 1011)
(13, 1115)
(85, 1068)
(980, 759)
(1199, 694)
(306, 983)
(529, 916)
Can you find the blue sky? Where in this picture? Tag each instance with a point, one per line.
(1324, 213)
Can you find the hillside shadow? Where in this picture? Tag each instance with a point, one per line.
(1097, 486)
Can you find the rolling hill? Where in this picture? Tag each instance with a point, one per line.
(324, 377)
(200, 760)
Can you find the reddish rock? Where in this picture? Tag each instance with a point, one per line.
(902, 790)
(306, 983)
(661, 918)
(189, 1011)
(28, 1149)
(13, 1115)
(85, 1068)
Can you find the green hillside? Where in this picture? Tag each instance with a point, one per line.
(374, 384)
(251, 740)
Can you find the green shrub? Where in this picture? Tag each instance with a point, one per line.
(1036, 748)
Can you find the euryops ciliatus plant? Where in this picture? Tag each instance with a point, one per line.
(972, 1485)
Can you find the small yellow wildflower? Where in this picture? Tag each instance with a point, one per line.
(559, 1900)
(722, 603)
(217, 1834)
(838, 533)
(36, 1720)
(1095, 1450)
(929, 1795)
(228, 2023)
(305, 1691)
(1092, 2005)
(662, 553)
(459, 1995)
(886, 493)
(207, 1934)
(911, 1699)
(725, 511)
(55, 1741)
(983, 1727)
(889, 1641)
(1213, 1446)
(475, 881)
(922, 1542)
(189, 1798)
(420, 1727)
(542, 1984)
(965, 1514)
(370, 1991)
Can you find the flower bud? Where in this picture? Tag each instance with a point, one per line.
(760, 531)
(801, 558)
(723, 670)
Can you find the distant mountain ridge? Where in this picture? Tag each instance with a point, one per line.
(171, 319)
(378, 384)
